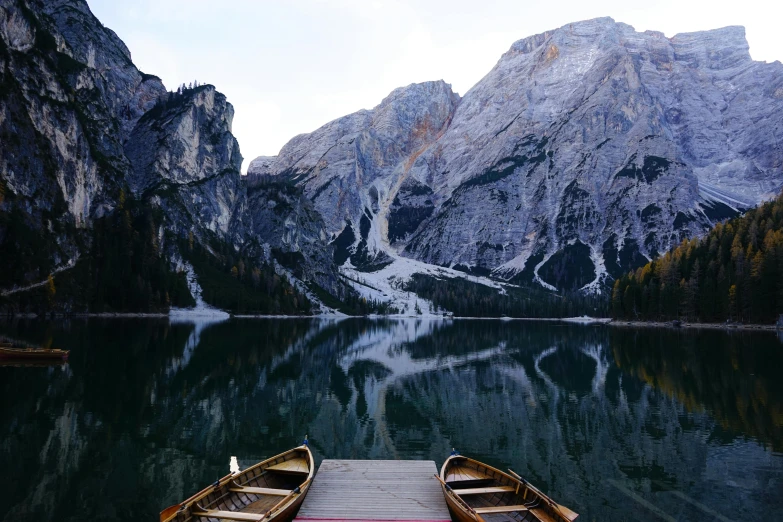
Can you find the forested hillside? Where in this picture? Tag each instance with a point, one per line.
(734, 273)
(468, 299)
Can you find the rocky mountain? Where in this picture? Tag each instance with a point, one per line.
(583, 153)
(586, 151)
(81, 123)
(70, 96)
(82, 130)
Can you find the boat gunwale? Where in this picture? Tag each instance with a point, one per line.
(42, 352)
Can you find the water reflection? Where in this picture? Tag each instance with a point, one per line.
(619, 424)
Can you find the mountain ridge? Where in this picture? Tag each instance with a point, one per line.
(583, 153)
(658, 109)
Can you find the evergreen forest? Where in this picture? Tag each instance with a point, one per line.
(734, 273)
(467, 299)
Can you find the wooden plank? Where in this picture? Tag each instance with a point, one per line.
(291, 466)
(375, 489)
(482, 491)
(572, 515)
(261, 491)
(542, 515)
(499, 509)
(459, 473)
(229, 515)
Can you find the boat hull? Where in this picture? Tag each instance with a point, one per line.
(32, 354)
(457, 512)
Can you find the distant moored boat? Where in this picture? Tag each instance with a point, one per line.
(270, 490)
(37, 354)
(476, 492)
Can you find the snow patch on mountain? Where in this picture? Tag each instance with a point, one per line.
(202, 309)
(387, 285)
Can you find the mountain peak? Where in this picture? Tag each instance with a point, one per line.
(431, 89)
(714, 49)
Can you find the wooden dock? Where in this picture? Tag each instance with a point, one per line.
(375, 490)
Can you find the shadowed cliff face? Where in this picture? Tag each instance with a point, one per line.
(185, 159)
(69, 97)
(590, 415)
(590, 134)
(80, 125)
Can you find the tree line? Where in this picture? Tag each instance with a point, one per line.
(735, 273)
(241, 284)
(468, 299)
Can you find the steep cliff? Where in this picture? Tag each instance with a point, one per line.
(69, 96)
(283, 225)
(85, 136)
(353, 168)
(185, 160)
(584, 152)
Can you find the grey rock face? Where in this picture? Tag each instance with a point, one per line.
(183, 154)
(79, 124)
(284, 224)
(353, 168)
(70, 97)
(127, 92)
(583, 152)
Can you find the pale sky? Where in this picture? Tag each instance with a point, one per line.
(289, 66)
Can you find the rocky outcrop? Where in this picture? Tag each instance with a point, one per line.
(185, 159)
(283, 225)
(585, 151)
(82, 127)
(353, 168)
(68, 96)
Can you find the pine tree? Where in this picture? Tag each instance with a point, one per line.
(50, 291)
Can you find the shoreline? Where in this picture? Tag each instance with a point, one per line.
(585, 321)
(696, 326)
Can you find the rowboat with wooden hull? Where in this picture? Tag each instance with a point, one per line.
(40, 354)
(270, 490)
(476, 492)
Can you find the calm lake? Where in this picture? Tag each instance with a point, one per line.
(616, 423)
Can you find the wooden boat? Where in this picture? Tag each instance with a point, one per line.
(476, 492)
(40, 354)
(270, 490)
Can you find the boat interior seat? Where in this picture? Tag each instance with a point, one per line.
(290, 472)
(259, 491)
(499, 509)
(483, 491)
(474, 483)
(229, 515)
(296, 466)
(542, 515)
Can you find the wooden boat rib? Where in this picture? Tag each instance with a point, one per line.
(7, 352)
(476, 492)
(270, 490)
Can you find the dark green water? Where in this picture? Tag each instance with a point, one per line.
(618, 424)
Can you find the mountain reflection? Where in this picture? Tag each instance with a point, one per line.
(148, 411)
